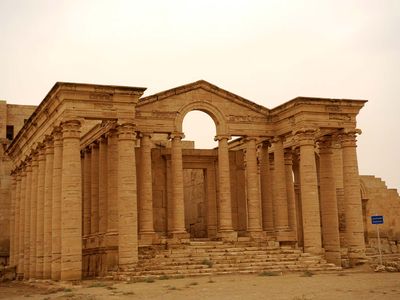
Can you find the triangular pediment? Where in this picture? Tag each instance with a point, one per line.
(206, 87)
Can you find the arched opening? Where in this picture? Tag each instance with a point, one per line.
(200, 130)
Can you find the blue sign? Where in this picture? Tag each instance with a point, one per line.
(377, 219)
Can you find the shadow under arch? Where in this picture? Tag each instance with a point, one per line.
(215, 114)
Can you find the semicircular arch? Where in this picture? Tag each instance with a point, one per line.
(211, 110)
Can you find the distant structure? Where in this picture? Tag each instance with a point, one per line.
(95, 175)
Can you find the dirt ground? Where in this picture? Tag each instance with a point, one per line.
(340, 285)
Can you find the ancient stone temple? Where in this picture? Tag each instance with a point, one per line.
(99, 173)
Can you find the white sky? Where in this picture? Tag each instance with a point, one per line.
(266, 51)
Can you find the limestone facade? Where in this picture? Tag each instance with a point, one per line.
(98, 172)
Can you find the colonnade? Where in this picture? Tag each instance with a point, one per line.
(51, 211)
(66, 198)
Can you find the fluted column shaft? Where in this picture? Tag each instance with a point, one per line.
(352, 197)
(56, 205)
(280, 192)
(40, 213)
(102, 181)
(291, 199)
(71, 204)
(112, 190)
(33, 220)
(21, 228)
(27, 229)
(48, 196)
(94, 203)
(146, 187)
(12, 218)
(329, 208)
(266, 190)
(87, 190)
(127, 197)
(253, 187)
(178, 204)
(16, 219)
(224, 182)
(309, 193)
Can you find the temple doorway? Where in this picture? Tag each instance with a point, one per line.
(195, 202)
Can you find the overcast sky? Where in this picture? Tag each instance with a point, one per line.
(266, 51)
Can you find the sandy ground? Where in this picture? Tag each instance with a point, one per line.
(341, 285)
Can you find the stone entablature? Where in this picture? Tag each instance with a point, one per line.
(96, 144)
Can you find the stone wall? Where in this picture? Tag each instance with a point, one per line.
(379, 200)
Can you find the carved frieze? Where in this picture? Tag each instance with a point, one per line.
(246, 119)
(340, 117)
(156, 114)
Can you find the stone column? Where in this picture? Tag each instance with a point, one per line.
(352, 198)
(127, 197)
(27, 233)
(56, 205)
(112, 199)
(12, 259)
(146, 225)
(87, 190)
(102, 182)
(94, 203)
(40, 213)
(280, 203)
(71, 203)
(177, 203)
(16, 219)
(266, 190)
(21, 228)
(112, 190)
(291, 198)
(309, 192)
(253, 190)
(329, 209)
(225, 230)
(33, 219)
(48, 197)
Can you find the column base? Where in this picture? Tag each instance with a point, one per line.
(228, 236)
(333, 257)
(148, 238)
(257, 235)
(285, 235)
(356, 257)
(179, 237)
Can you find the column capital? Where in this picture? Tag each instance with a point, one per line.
(57, 134)
(305, 136)
(111, 133)
(277, 139)
(41, 150)
(288, 156)
(325, 144)
(126, 131)
(93, 145)
(71, 129)
(143, 134)
(176, 135)
(348, 137)
(222, 137)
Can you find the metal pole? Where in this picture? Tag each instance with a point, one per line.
(379, 245)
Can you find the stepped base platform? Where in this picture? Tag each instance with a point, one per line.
(205, 258)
